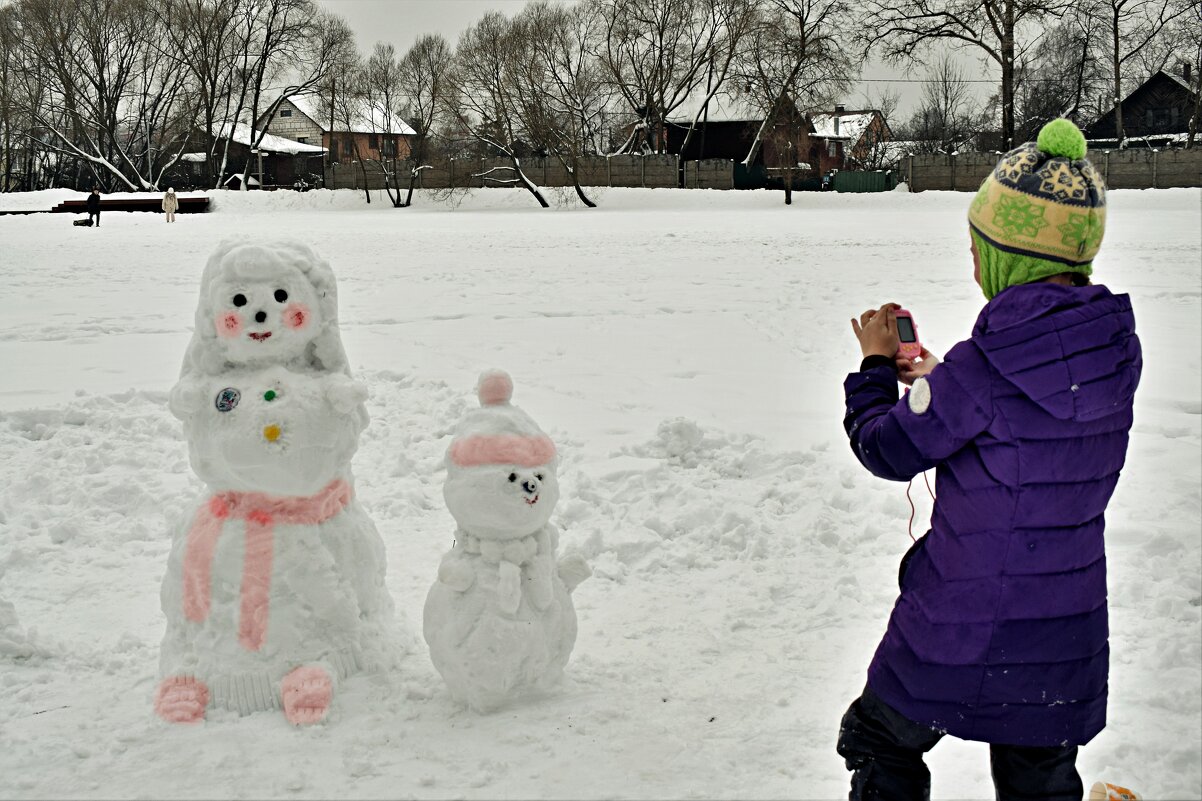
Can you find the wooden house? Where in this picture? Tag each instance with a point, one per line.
(276, 161)
(860, 134)
(1157, 112)
(362, 132)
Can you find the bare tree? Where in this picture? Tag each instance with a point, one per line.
(422, 80)
(292, 40)
(482, 98)
(1062, 77)
(999, 29)
(796, 61)
(948, 117)
(1132, 26)
(877, 152)
(560, 94)
(655, 54)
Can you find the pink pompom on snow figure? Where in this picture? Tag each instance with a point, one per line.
(274, 590)
(499, 620)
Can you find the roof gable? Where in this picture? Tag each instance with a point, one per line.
(365, 118)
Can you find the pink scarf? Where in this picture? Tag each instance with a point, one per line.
(261, 513)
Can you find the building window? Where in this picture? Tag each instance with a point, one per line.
(373, 142)
(302, 139)
(285, 112)
(333, 149)
(388, 147)
(832, 149)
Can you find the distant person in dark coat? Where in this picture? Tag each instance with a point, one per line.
(94, 206)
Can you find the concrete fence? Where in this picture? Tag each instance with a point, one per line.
(1121, 169)
(638, 171)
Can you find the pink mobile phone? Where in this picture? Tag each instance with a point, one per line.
(907, 334)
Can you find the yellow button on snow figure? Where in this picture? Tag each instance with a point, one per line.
(271, 433)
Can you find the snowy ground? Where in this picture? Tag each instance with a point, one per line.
(686, 350)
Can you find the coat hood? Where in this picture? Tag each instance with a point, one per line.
(1071, 350)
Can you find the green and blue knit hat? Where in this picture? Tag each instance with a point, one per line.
(1042, 211)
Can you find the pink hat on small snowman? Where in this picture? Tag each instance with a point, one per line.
(498, 432)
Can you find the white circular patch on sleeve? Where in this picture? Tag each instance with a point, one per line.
(920, 396)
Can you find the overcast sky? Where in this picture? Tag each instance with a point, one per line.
(401, 22)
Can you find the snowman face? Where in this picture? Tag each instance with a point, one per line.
(271, 431)
(501, 501)
(265, 313)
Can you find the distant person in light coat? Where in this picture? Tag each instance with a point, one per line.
(170, 203)
(94, 206)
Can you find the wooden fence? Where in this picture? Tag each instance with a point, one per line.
(1121, 169)
(652, 172)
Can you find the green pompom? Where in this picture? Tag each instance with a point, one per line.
(1061, 138)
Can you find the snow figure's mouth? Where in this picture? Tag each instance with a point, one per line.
(260, 337)
(531, 501)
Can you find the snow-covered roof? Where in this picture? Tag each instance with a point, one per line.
(243, 134)
(365, 118)
(852, 124)
(197, 157)
(250, 180)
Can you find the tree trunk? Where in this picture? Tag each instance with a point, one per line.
(576, 183)
(527, 183)
(1118, 81)
(1008, 77)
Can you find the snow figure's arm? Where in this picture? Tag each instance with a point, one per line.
(187, 398)
(942, 413)
(573, 570)
(456, 571)
(345, 393)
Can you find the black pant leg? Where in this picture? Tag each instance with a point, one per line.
(1024, 774)
(883, 749)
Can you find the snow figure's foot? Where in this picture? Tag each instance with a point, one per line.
(181, 699)
(307, 693)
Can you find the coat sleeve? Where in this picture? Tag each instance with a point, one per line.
(899, 438)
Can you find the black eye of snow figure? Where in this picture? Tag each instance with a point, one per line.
(513, 477)
(539, 476)
(239, 299)
(280, 296)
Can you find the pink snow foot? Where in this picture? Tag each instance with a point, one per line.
(307, 693)
(181, 699)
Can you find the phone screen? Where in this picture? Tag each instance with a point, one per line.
(905, 329)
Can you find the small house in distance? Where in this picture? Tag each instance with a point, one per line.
(275, 162)
(369, 133)
(1156, 113)
(862, 136)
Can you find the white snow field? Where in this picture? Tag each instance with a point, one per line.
(686, 351)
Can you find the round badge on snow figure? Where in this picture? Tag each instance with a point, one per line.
(227, 399)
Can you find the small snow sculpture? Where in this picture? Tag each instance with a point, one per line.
(499, 620)
(274, 590)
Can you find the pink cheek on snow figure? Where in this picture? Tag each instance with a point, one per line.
(296, 315)
(228, 325)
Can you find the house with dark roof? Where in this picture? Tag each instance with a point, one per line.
(1156, 113)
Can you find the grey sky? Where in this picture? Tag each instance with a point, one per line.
(401, 22)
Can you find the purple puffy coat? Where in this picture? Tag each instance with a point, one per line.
(1000, 631)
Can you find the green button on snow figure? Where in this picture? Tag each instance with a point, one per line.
(269, 395)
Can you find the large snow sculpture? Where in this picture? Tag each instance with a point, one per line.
(275, 587)
(499, 620)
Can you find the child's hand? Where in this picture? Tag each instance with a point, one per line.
(910, 371)
(877, 331)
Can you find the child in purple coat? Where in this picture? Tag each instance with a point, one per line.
(1000, 631)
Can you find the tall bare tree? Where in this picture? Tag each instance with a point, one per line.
(948, 117)
(482, 98)
(1064, 75)
(422, 80)
(1000, 30)
(655, 54)
(1132, 27)
(797, 61)
(560, 95)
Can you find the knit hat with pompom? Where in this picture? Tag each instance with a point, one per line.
(1042, 211)
(499, 433)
